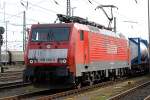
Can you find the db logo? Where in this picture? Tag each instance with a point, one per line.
(48, 46)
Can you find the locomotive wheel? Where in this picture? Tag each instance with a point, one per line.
(79, 86)
(78, 83)
(25, 79)
(91, 83)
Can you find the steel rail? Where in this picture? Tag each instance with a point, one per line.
(11, 72)
(23, 96)
(123, 94)
(10, 78)
(13, 85)
(147, 98)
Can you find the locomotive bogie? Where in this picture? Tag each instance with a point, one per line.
(48, 74)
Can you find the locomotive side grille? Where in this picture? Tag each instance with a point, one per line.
(47, 55)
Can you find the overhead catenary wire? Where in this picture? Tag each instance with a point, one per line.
(56, 2)
(90, 2)
(35, 5)
(58, 5)
(10, 14)
(13, 15)
(17, 16)
(96, 2)
(15, 24)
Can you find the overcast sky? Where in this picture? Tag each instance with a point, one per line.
(44, 11)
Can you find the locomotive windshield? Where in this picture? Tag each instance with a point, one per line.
(50, 34)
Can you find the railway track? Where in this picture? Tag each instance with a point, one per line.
(21, 90)
(10, 73)
(147, 98)
(13, 85)
(48, 95)
(78, 91)
(10, 76)
(25, 95)
(64, 93)
(54, 94)
(140, 92)
(71, 93)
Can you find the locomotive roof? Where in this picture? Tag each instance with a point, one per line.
(52, 25)
(79, 27)
(95, 29)
(80, 24)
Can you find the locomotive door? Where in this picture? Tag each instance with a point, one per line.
(86, 48)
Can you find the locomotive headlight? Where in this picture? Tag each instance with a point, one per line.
(31, 61)
(62, 60)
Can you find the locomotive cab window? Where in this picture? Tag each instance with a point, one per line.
(81, 35)
(50, 34)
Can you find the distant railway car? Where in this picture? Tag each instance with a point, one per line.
(5, 57)
(17, 57)
(75, 53)
(12, 57)
(139, 50)
(139, 55)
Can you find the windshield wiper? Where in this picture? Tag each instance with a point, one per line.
(51, 36)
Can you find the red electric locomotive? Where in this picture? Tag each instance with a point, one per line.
(77, 52)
